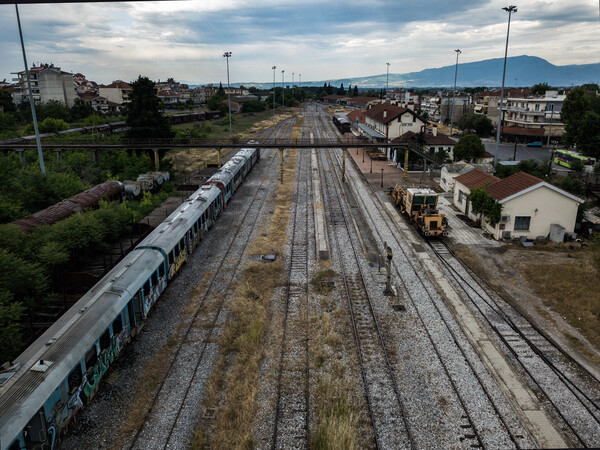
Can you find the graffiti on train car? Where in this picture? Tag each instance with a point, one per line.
(103, 363)
(178, 262)
(154, 294)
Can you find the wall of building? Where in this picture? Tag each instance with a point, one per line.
(544, 206)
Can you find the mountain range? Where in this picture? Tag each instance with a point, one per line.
(520, 71)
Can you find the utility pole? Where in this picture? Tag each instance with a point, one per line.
(228, 55)
(458, 52)
(510, 9)
(31, 102)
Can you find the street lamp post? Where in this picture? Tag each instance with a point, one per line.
(228, 55)
(381, 177)
(387, 79)
(282, 90)
(458, 52)
(274, 67)
(510, 9)
(31, 102)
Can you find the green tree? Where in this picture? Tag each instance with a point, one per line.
(341, 90)
(540, 88)
(56, 110)
(6, 101)
(144, 118)
(355, 91)
(481, 124)
(572, 185)
(483, 203)
(221, 91)
(81, 110)
(48, 125)
(253, 106)
(589, 134)
(468, 148)
(10, 331)
(571, 114)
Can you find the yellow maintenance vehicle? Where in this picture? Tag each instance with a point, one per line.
(420, 206)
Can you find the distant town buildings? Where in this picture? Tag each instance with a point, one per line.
(48, 82)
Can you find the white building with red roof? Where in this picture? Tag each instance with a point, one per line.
(531, 207)
(117, 92)
(391, 121)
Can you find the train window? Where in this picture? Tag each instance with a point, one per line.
(15, 445)
(91, 358)
(146, 289)
(182, 243)
(105, 340)
(74, 379)
(176, 251)
(161, 270)
(171, 257)
(118, 325)
(154, 278)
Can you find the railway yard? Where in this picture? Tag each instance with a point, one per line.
(277, 332)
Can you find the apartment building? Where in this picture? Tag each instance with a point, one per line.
(48, 82)
(534, 118)
(487, 102)
(117, 92)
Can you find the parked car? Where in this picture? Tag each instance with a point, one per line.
(534, 144)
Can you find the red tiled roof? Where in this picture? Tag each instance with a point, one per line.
(512, 185)
(378, 111)
(119, 84)
(333, 97)
(357, 113)
(476, 178)
(430, 139)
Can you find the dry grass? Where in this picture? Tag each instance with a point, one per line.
(336, 411)
(564, 277)
(192, 159)
(155, 371)
(232, 386)
(572, 289)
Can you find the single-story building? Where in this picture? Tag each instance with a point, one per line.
(449, 172)
(531, 207)
(432, 142)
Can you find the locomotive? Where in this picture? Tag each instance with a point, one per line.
(419, 205)
(42, 390)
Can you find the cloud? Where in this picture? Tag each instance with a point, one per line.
(323, 39)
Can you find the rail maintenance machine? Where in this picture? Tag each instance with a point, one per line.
(420, 206)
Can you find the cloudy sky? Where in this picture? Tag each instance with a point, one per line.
(317, 39)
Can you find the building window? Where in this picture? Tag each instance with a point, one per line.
(461, 195)
(522, 223)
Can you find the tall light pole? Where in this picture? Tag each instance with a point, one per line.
(274, 67)
(387, 79)
(510, 9)
(458, 52)
(282, 90)
(228, 55)
(31, 102)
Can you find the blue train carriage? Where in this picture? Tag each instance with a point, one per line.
(61, 371)
(177, 237)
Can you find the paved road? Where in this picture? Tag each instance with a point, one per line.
(506, 151)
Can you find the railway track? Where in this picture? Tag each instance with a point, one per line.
(292, 413)
(386, 409)
(164, 424)
(470, 431)
(577, 401)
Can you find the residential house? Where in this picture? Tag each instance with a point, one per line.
(48, 82)
(391, 121)
(430, 105)
(117, 92)
(169, 98)
(531, 207)
(464, 183)
(431, 142)
(449, 172)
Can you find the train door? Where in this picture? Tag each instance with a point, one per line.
(35, 433)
